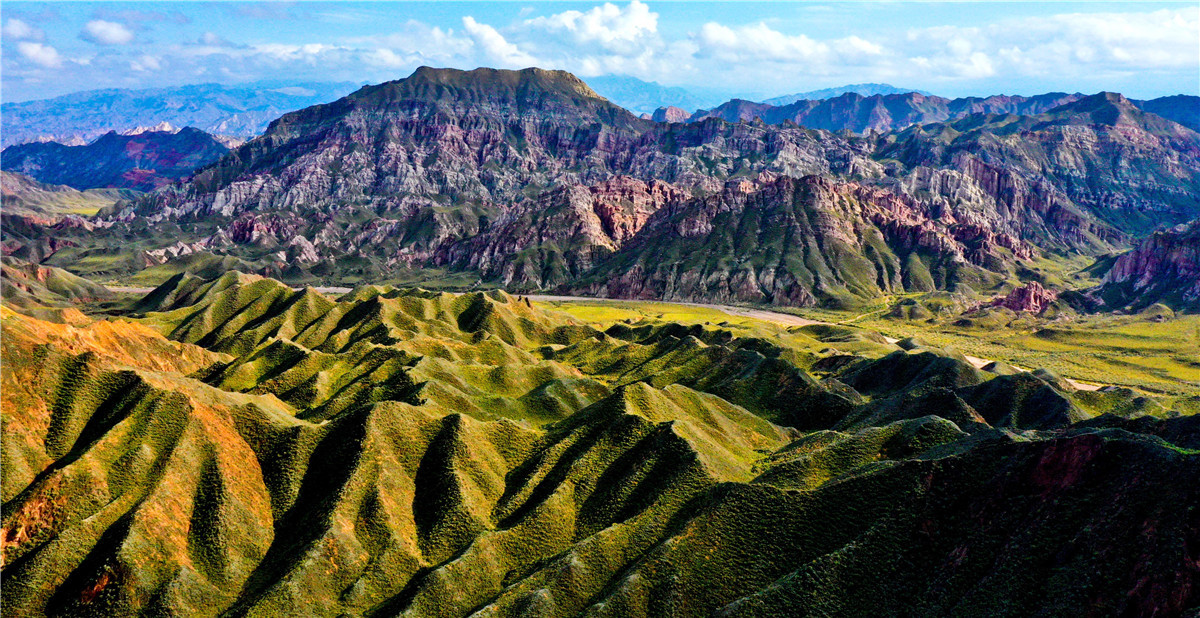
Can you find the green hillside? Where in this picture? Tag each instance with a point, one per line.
(238, 447)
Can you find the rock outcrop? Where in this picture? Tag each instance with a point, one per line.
(1029, 298)
(1163, 268)
(532, 180)
(670, 114)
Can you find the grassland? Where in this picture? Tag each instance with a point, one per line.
(235, 446)
(1159, 355)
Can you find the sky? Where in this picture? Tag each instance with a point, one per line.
(1143, 49)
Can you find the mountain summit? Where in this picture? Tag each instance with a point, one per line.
(531, 180)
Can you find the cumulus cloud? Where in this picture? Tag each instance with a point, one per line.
(1061, 44)
(612, 27)
(386, 58)
(39, 54)
(759, 43)
(103, 32)
(419, 42)
(1077, 50)
(20, 30)
(495, 47)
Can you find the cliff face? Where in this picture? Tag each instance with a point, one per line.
(1163, 268)
(1090, 169)
(144, 161)
(787, 241)
(670, 114)
(530, 179)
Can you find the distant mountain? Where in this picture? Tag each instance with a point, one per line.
(25, 196)
(641, 97)
(882, 113)
(1075, 158)
(670, 114)
(894, 112)
(865, 90)
(532, 180)
(143, 161)
(241, 111)
(1181, 108)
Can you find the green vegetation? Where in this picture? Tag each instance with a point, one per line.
(1152, 352)
(24, 196)
(242, 447)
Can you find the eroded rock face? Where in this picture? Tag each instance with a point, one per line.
(1164, 267)
(826, 241)
(1030, 298)
(670, 114)
(531, 180)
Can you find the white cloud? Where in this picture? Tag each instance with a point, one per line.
(146, 63)
(1062, 45)
(310, 53)
(386, 58)
(608, 25)
(495, 47)
(1079, 50)
(41, 55)
(760, 43)
(104, 32)
(423, 43)
(20, 30)
(214, 40)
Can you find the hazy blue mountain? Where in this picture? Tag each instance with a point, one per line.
(1182, 108)
(142, 162)
(642, 97)
(242, 110)
(865, 90)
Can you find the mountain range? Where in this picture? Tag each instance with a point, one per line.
(642, 97)
(531, 180)
(142, 160)
(866, 90)
(241, 111)
(859, 113)
(238, 441)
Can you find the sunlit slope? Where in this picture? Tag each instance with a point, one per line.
(250, 449)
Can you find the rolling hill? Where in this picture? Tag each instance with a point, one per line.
(248, 448)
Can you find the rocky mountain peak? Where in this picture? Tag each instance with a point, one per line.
(1104, 108)
(670, 113)
(526, 87)
(1163, 267)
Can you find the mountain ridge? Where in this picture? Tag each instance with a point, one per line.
(866, 90)
(531, 179)
(141, 161)
(241, 110)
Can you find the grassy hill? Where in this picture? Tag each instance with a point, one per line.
(236, 446)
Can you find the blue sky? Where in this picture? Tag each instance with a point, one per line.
(1142, 49)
